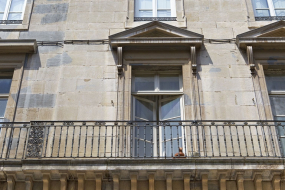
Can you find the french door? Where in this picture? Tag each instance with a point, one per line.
(154, 135)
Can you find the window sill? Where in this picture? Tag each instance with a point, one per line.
(11, 21)
(269, 18)
(137, 21)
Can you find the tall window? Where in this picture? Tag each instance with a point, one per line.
(155, 8)
(12, 9)
(276, 90)
(157, 97)
(275, 82)
(266, 8)
(5, 84)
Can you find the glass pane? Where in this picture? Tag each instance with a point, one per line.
(5, 85)
(170, 109)
(3, 5)
(144, 83)
(17, 5)
(262, 13)
(145, 13)
(278, 105)
(3, 103)
(280, 12)
(15, 16)
(171, 139)
(143, 133)
(169, 82)
(145, 4)
(143, 110)
(163, 13)
(275, 83)
(279, 3)
(143, 140)
(1, 16)
(163, 4)
(260, 4)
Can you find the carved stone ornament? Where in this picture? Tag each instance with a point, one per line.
(35, 142)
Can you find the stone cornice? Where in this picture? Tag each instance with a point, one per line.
(139, 41)
(261, 42)
(151, 164)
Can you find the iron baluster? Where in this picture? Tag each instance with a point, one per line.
(258, 140)
(144, 140)
(112, 141)
(66, 137)
(225, 140)
(4, 141)
(249, 127)
(25, 142)
(53, 141)
(17, 146)
(99, 140)
(71, 153)
(212, 144)
(232, 142)
(105, 141)
(59, 142)
(238, 141)
(85, 146)
(92, 141)
(79, 139)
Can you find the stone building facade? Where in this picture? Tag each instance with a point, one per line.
(142, 94)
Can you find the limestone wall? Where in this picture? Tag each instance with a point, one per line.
(80, 82)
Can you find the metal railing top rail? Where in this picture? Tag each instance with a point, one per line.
(140, 139)
(153, 123)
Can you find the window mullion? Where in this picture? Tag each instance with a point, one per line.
(173, 8)
(6, 11)
(271, 8)
(23, 10)
(154, 8)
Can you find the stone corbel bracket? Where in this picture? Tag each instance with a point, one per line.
(193, 59)
(250, 59)
(120, 59)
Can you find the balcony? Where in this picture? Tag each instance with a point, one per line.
(141, 140)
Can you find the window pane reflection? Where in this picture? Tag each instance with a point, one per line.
(169, 82)
(144, 83)
(5, 85)
(3, 104)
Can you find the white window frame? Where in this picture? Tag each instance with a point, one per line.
(271, 8)
(7, 10)
(157, 91)
(154, 8)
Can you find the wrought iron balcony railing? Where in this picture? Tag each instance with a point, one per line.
(121, 139)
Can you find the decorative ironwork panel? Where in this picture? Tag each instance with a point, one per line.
(269, 18)
(11, 21)
(35, 142)
(155, 19)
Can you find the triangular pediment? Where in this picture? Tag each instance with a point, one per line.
(280, 32)
(155, 33)
(275, 29)
(156, 29)
(266, 37)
